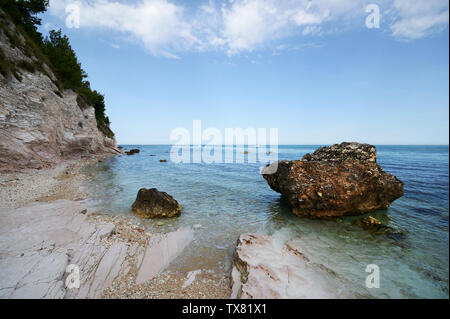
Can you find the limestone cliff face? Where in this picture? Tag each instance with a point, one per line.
(39, 124)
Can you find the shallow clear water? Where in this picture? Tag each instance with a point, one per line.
(230, 199)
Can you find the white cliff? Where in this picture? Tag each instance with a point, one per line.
(40, 125)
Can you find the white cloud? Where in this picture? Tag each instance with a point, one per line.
(302, 17)
(249, 24)
(419, 18)
(252, 24)
(166, 28)
(158, 24)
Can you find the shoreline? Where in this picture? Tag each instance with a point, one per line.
(62, 181)
(30, 187)
(71, 180)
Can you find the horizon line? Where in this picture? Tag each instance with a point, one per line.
(319, 144)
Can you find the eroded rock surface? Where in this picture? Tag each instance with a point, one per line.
(151, 203)
(40, 125)
(264, 267)
(39, 241)
(334, 181)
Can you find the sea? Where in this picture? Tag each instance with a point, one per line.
(224, 200)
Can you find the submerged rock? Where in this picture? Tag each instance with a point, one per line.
(375, 227)
(343, 179)
(151, 203)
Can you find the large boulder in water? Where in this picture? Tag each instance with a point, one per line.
(151, 203)
(343, 179)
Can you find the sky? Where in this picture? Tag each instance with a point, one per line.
(320, 71)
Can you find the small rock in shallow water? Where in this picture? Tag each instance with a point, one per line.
(151, 203)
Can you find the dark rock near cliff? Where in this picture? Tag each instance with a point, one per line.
(343, 179)
(151, 203)
(133, 151)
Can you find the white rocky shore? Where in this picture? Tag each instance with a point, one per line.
(267, 267)
(44, 227)
(39, 241)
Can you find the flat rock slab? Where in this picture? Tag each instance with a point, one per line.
(264, 267)
(161, 251)
(39, 241)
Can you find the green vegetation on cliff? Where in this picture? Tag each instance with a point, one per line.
(55, 50)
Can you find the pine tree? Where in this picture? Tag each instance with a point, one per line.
(64, 60)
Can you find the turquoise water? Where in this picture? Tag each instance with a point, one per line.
(230, 199)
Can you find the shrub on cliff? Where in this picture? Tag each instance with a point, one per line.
(69, 72)
(64, 60)
(23, 13)
(97, 100)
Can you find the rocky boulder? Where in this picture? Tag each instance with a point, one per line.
(151, 203)
(343, 179)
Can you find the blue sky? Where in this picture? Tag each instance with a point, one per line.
(312, 69)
